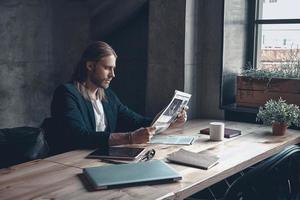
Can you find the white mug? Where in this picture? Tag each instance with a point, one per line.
(216, 131)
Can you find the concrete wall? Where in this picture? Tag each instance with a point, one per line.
(185, 53)
(39, 43)
(165, 52)
(210, 42)
(22, 60)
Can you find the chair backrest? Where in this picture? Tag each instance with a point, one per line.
(57, 140)
(275, 178)
(21, 144)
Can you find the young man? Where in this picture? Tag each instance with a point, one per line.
(85, 113)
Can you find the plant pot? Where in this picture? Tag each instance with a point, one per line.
(279, 129)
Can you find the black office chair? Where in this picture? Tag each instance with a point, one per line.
(21, 144)
(276, 178)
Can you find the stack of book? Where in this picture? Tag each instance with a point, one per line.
(123, 154)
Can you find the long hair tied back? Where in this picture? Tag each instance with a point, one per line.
(94, 52)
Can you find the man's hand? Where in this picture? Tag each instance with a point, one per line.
(181, 118)
(142, 135)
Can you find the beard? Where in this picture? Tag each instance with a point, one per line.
(101, 83)
(105, 84)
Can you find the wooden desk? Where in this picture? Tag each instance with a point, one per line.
(59, 177)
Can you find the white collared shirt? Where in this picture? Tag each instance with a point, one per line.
(100, 119)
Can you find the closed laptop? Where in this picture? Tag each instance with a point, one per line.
(154, 171)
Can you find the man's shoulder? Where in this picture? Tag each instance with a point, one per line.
(66, 87)
(110, 95)
(109, 92)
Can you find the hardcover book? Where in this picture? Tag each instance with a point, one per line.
(228, 133)
(201, 160)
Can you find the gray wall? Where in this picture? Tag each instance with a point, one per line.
(43, 40)
(185, 53)
(211, 38)
(40, 42)
(165, 52)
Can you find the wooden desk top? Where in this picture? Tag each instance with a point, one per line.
(59, 177)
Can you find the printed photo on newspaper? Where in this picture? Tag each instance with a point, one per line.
(169, 114)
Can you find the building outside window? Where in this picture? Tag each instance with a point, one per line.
(276, 34)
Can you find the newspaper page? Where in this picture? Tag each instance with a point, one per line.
(169, 114)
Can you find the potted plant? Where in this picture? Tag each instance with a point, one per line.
(280, 115)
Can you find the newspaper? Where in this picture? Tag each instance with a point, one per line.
(169, 114)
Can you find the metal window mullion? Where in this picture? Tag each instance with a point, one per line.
(277, 21)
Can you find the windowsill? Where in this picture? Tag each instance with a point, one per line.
(240, 113)
(242, 109)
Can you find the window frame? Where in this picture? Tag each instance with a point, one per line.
(254, 23)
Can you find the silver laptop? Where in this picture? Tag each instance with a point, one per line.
(142, 173)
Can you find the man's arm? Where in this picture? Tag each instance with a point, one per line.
(139, 136)
(128, 120)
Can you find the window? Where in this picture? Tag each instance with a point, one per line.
(263, 32)
(276, 33)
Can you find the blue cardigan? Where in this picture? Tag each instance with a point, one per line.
(72, 123)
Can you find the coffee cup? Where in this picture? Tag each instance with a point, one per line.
(216, 131)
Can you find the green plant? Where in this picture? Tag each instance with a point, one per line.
(285, 71)
(288, 68)
(279, 111)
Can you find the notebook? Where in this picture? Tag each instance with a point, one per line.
(111, 176)
(201, 160)
(172, 139)
(228, 133)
